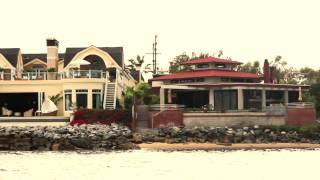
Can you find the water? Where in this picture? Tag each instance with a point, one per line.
(248, 165)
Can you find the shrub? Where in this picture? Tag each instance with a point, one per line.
(89, 116)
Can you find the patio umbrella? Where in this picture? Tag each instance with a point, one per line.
(79, 62)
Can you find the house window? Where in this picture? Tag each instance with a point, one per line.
(82, 98)
(220, 65)
(67, 100)
(37, 66)
(96, 99)
(202, 66)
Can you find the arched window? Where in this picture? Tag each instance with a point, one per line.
(96, 62)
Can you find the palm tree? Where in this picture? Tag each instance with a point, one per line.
(136, 65)
(56, 98)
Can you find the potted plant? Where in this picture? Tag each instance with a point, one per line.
(52, 74)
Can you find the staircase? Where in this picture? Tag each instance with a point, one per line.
(109, 99)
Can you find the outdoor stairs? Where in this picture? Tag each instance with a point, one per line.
(109, 101)
(142, 124)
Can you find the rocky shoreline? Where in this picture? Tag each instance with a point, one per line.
(228, 135)
(84, 137)
(118, 137)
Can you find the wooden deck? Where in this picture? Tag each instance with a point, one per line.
(35, 119)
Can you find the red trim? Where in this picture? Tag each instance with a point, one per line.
(211, 59)
(207, 73)
(251, 85)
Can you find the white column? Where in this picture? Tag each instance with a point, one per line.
(240, 99)
(169, 96)
(263, 99)
(74, 97)
(211, 98)
(162, 96)
(286, 97)
(89, 98)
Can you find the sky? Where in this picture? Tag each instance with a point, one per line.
(245, 30)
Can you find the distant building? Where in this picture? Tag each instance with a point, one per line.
(215, 82)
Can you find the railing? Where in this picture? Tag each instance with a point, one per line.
(301, 104)
(163, 107)
(99, 74)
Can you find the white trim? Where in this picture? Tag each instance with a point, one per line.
(35, 60)
(83, 53)
(6, 61)
(180, 87)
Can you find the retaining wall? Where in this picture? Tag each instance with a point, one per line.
(232, 119)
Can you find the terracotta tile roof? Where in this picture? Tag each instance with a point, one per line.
(207, 73)
(211, 59)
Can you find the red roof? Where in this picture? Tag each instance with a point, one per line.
(211, 59)
(207, 73)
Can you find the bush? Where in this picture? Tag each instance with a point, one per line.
(90, 116)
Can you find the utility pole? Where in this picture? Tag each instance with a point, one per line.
(154, 56)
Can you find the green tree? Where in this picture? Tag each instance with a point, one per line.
(176, 63)
(250, 67)
(137, 65)
(312, 76)
(315, 95)
(143, 94)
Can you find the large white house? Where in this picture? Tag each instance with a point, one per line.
(86, 77)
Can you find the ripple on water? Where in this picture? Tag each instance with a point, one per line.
(143, 164)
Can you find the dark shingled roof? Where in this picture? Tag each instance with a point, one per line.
(29, 57)
(115, 52)
(11, 54)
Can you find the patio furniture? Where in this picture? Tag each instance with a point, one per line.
(28, 113)
(38, 113)
(17, 114)
(6, 112)
(54, 113)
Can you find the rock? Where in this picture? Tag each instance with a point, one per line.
(267, 131)
(55, 147)
(245, 128)
(137, 138)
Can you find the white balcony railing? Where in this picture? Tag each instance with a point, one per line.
(56, 75)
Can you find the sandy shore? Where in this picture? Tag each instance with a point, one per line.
(210, 146)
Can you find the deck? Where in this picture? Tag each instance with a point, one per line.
(34, 121)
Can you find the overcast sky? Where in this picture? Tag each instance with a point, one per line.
(245, 30)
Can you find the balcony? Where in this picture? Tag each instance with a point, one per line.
(74, 74)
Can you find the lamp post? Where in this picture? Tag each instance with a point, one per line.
(138, 68)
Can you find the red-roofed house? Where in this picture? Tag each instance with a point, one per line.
(215, 82)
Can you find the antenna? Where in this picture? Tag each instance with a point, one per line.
(154, 56)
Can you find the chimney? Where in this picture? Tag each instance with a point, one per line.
(52, 53)
(266, 71)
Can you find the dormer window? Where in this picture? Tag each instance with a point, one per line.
(220, 65)
(201, 66)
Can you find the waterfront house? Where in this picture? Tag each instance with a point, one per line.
(229, 97)
(86, 77)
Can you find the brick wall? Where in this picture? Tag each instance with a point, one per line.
(301, 115)
(166, 118)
